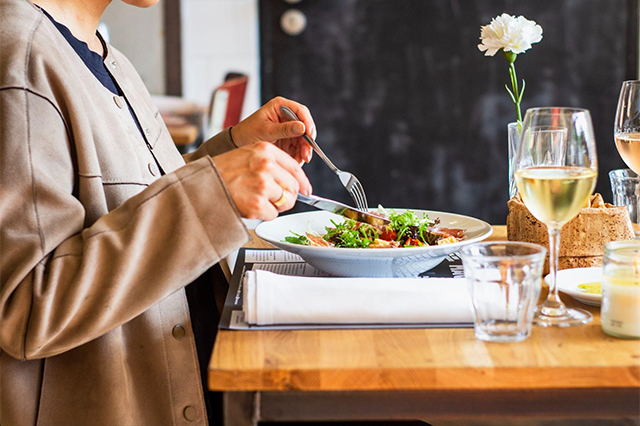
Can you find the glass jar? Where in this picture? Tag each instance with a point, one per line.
(620, 311)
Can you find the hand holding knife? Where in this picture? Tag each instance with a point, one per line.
(342, 209)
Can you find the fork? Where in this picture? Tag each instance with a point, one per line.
(348, 180)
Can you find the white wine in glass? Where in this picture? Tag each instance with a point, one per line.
(556, 172)
(626, 129)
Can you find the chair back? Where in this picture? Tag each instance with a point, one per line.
(226, 104)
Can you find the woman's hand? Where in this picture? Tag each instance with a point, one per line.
(262, 179)
(268, 124)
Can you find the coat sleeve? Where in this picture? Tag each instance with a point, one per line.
(219, 144)
(63, 284)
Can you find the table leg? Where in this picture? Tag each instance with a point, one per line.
(241, 408)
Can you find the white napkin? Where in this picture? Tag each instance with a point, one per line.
(281, 299)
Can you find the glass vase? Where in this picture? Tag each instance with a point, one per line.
(514, 142)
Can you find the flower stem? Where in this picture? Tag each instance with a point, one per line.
(517, 95)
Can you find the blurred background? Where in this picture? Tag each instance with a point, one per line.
(400, 93)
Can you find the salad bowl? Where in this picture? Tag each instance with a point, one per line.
(369, 262)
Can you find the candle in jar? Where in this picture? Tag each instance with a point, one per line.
(620, 312)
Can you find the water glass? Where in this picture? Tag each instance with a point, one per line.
(625, 187)
(550, 145)
(504, 280)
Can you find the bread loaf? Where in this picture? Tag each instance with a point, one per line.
(582, 239)
(568, 262)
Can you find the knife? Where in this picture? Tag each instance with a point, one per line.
(342, 209)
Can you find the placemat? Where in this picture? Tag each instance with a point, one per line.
(285, 263)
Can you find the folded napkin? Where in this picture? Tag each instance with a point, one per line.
(270, 298)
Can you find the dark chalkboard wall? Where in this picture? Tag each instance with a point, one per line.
(403, 98)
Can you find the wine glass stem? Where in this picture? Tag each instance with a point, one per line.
(553, 299)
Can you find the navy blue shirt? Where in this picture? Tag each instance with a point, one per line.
(95, 63)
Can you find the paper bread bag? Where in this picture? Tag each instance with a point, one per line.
(582, 239)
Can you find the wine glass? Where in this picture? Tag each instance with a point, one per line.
(626, 129)
(556, 172)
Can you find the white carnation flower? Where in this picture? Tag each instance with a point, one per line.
(510, 34)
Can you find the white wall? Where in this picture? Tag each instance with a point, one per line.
(219, 36)
(139, 34)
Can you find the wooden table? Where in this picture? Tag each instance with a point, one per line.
(184, 134)
(182, 117)
(429, 374)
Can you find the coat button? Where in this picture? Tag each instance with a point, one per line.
(190, 413)
(119, 102)
(153, 173)
(113, 64)
(178, 332)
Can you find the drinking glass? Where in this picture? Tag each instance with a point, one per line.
(504, 280)
(625, 186)
(626, 128)
(556, 172)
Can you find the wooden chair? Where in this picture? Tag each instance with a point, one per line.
(226, 104)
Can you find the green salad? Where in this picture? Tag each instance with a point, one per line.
(405, 230)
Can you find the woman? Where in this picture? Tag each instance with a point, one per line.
(102, 225)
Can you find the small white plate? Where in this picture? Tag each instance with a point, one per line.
(569, 280)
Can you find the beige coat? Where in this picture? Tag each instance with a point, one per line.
(95, 246)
